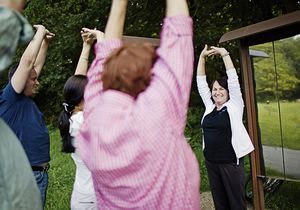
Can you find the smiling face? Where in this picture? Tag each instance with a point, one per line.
(32, 84)
(219, 94)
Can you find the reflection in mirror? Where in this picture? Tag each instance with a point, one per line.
(276, 67)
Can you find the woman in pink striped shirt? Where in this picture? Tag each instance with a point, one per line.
(136, 101)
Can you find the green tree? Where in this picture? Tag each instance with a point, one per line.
(276, 74)
(66, 17)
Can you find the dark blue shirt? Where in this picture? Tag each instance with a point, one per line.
(217, 137)
(26, 120)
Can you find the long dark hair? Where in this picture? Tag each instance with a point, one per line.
(73, 95)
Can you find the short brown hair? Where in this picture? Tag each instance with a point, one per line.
(128, 69)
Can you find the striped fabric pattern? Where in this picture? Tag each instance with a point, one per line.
(135, 148)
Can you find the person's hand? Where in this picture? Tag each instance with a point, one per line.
(87, 38)
(95, 33)
(219, 51)
(39, 27)
(48, 36)
(206, 52)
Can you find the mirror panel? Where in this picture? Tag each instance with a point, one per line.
(276, 67)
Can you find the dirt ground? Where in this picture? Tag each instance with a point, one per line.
(207, 202)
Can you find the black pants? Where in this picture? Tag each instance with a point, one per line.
(227, 183)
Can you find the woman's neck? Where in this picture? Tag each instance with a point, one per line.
(78, 108)
(218, 106)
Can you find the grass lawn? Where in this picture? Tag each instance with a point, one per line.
(61, 176)
(269, 121)
(62, 172)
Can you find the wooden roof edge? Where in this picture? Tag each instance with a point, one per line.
(136, 39)
(261, 27)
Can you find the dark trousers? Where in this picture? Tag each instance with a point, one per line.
(227, 183)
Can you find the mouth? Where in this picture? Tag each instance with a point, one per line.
(35, 89)
(218, 96)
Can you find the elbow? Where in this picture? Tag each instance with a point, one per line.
(27, 61)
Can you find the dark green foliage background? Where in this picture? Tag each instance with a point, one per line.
(66, 18)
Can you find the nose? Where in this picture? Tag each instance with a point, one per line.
(37, 82)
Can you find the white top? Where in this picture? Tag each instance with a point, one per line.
(240, 140)
(83, 179)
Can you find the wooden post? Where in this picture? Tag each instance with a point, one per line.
(249, 96)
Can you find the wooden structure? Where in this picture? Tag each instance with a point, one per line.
(135, 39)
(266, 31)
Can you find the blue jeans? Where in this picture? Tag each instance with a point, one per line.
(41, 178)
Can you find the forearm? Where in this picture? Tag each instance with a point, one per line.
(177, 7)
(41, 58)
(115, 24)
(31, 52)
(82, 64)
(201, 66)
(27, 61)
(227, 62)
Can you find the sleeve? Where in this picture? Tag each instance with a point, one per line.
(204, 91)
(94, 87)
(173, 69)
(235, 93)
(9, 94)
(75, 124)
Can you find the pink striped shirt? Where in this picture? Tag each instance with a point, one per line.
(136, 149)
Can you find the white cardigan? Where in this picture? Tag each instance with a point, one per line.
(240, 139)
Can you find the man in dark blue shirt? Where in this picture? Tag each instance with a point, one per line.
(20, 112)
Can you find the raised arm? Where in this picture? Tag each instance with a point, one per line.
(233, 80)
(225, 56)
(115, 24)
(203, 88)
(173, 68)
(41, 58)
(83, 62)
(201, 63)
(28, 59)
(177, 7)
(103, 48)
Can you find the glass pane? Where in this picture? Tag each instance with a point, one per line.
(268, 109)
(276, 67)
(287, 57)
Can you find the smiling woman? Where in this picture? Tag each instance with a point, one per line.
(220, 92)
(226, 140)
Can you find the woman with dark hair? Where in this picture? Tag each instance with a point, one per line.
(225, 139)
(136, 100)
(70, 120)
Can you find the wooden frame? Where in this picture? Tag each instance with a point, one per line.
(139, 40)
(266, 31)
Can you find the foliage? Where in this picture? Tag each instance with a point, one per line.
(286, 198)
(66, 18)
(278, 75)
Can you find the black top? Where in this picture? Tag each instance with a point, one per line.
(217, 137)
